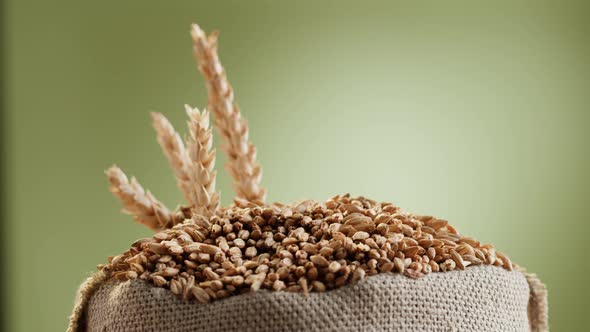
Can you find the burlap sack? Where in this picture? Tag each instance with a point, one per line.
(482, 298)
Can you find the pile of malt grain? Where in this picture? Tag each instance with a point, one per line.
(305, 247)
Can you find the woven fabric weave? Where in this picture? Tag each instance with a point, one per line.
(481, 298)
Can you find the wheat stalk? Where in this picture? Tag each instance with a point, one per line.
(142, 205)
(176, 153)
(242, 164)
(203, 174)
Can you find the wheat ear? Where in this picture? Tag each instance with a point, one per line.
(202, 156)
(242, 164)
(142, 205)
(176, 153)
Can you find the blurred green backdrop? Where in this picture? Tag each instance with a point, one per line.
(475, 113)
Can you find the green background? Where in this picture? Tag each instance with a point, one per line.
(473, 112)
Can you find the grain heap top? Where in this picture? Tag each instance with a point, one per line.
(308, 246)
(204, 251)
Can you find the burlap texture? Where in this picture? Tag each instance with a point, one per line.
(482, 298)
